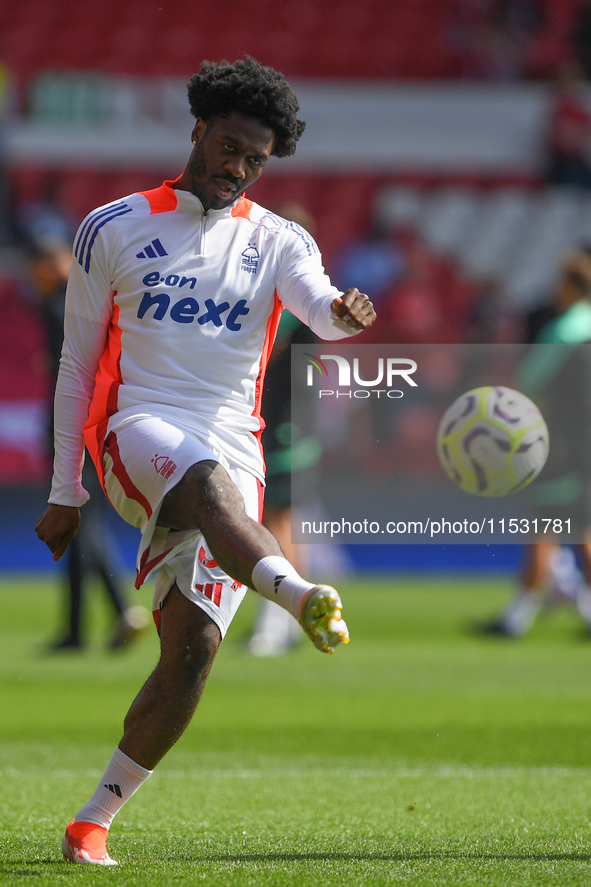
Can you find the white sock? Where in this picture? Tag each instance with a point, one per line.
(521, 613)
(119, 782)
(275, 578)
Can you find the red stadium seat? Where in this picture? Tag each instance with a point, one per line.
(307, 38)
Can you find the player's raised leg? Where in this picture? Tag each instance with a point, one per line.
(207, 499)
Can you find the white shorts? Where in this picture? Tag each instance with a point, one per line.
(144, 457)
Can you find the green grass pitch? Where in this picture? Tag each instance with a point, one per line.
(421, 754)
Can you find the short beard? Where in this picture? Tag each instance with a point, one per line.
(197, 172)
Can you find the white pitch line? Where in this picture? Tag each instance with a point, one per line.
(401, 772)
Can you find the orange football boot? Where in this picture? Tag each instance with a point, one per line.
(85, 843)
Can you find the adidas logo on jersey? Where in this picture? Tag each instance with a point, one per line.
(152, 250)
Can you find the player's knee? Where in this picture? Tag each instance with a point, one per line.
(213, 486)
(197, 657)
(189, 658)
(187, 631)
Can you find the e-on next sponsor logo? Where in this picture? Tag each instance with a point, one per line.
(156, 306)
(388, 371)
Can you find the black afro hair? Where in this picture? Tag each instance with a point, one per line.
(251, 88)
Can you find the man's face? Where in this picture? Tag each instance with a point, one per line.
(229, 156)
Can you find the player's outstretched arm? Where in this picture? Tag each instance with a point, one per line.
(57, 526)
(354, 309)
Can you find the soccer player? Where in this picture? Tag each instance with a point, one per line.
(558, 377)
(172, 305)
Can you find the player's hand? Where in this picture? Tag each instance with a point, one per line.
(57, 526)
(354, 309)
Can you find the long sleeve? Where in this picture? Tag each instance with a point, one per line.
(87, 314)
(306, 290)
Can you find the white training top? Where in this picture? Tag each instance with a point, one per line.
(176, 309)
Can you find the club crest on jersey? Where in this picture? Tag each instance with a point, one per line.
(164, 465)
(250, 260)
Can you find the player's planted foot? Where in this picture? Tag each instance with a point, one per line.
(130, 625)
(85, 843)
(320, 617)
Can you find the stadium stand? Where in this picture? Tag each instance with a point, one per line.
(411, 39)
(24, 383)
(476, 226)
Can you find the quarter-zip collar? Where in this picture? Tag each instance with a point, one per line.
(191, 203)
(188, 202)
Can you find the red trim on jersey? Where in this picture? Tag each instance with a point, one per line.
(120, 472)
(261, 492)
(162, 199)
(147, 566)
(157, 617)
(108, 376)
(104, 401)
(242, 208)
(113, 395)
(270, 334)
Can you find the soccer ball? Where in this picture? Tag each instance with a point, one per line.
(492, 441)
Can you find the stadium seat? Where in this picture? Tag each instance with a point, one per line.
(448, 216)
(497, 231)
(400, 205)
(408, 39)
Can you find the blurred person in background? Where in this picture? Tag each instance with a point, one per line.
(491, 319)
(568, 141)
(581, 37)
(494, 37)
(288, 449)
(94, 551)
(559, 382)
(431, 300)
(376, 261)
